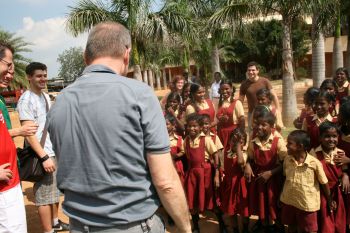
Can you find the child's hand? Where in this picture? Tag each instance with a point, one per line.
(264, 176)
(341, 158)
(248, 173)
(345, 183)
(171, 111)
(332, 206)
(217, 180)
(223, 118)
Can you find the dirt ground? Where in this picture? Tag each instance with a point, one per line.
(208, 222)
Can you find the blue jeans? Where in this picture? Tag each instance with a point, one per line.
(152, 225)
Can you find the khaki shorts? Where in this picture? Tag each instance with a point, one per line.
(45, 190)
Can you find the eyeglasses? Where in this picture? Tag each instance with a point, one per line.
(9, 64)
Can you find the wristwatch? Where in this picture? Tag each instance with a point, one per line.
(43, 159)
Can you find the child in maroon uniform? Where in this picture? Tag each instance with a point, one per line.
(342, 80)
(309, 99)
(205, 124)
(172, 107)
(300, 198)
(198, 184)
(230, 113)
(326, 154)
(344, 144)
(200, 105)
(311, 123)
(263, 170)
(234, 196)
(176, 147)
(264, 98)
(330, 86)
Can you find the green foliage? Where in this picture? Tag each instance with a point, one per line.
(20, 46)
(72, 64)
(262, 42)
(146, 27)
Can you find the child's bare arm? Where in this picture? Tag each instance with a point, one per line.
(345, 183)
(216, 165)
(265, 176)
(178, 155)
(331, 205)
(240, 158)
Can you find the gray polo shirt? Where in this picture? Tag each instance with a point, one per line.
(102, 126)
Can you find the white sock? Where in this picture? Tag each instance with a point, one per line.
(49, 231)
(55, 221)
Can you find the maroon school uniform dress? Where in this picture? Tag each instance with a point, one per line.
(178, 161)
(263, 197)
(313, 131)
(345, 146)
(342, 94)
(225, 128)
(334, 222)
(198, 183)
(234, 194)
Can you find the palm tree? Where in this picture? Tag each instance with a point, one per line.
(20, 46)
(337, 56)
(236, 10)
(136, 15)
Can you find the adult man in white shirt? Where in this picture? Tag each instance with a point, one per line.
(214, 90)
(32, 107)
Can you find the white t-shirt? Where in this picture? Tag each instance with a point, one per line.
(32, 107)
(215, 89)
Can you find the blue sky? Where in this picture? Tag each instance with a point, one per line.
(41, 22)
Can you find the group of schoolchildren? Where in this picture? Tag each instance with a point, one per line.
(303, 183)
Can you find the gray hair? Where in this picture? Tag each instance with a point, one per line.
(107, 39)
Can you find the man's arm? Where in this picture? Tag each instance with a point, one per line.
(169, 189)
(48, 164)
(275, 99)
(25, 130)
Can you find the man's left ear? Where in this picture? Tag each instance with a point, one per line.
(126, 58)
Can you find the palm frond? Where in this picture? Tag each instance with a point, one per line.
(88, 13)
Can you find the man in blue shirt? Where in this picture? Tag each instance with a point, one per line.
(110, 137)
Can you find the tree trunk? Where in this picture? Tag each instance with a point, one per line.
(150, 78)
(215, 60)
(137, 73)
(337, 58)
(289, 103)
(170, 77)
(158, 80)
(145, 76)
(318, 55)
(164, 79)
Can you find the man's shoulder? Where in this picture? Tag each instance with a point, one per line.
(25, 97)
(264, 80)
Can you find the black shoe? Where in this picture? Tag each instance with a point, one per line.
(61, 226)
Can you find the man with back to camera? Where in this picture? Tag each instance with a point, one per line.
(32, 109)
(251, 85)
(111, 140)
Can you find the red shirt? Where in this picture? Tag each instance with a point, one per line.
(8, 154)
